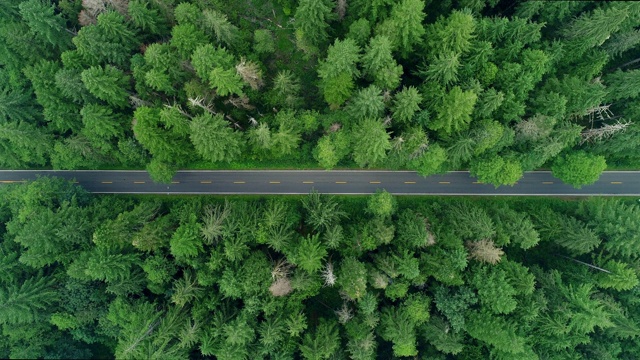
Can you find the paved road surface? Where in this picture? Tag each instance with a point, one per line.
(539, 183)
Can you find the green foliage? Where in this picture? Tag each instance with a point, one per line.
(311, 19)
(579, 168)
(497, 171)
(404, 25)
(352, 278)
(381, 204)
(108, 84)
(322, 344)
(25, 303)
(214, 139)
(370, 142)
(406, 104)
(453, 111)
(310, 254)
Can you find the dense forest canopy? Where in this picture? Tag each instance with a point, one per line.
(498, 87)
(315, 277)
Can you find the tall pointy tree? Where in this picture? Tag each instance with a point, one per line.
(26, 302)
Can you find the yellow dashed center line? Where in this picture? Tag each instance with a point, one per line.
(238, 182)
(11, 181)
(616, 182)
(274, 182)
(138, 182)
(547, 182)
(374, 182)
(341, 182)
(175, 182)
(444, 182)
(477, 182)
(409, 182)
(307, 182)
(205, 182)
(107, 182)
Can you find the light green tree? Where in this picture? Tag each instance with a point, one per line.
(107, 83)
(453, 111)
(370, 142)
(404, 25)
(406, 104)
(214, 139)
(497, 171)
(579, 168)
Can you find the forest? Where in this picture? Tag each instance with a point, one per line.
(315, 277)
(496, 87)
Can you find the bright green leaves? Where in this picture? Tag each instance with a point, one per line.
(379, 65)
(406, 104)
(579, 168)
(214, 139)
(497, 171)
(310, 254)
(352, 278)
(225, 82)
(404, 25)
(332, 148)
(107, 83)
(370, 142)
(338, 71)
(322, 343)
(453, 111)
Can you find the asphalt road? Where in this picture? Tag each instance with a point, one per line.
(537, 183)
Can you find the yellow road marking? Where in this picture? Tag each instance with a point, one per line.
(238, 182)
(274, 182)
(107, 182)
(616, 182)
(138, 182)
(374, 182)
(547, 182)
(307, 182)
(409, 182)
(175, 182)
(205, 182)
(478, 182)
(341, 182)
(444, 182)
(12, 181)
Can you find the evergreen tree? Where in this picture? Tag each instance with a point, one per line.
(108, 84)
(311, 20)
(370, 142)
(406, 104)
(214, 139)
(404, 25)
(45, 23)
(25, 303)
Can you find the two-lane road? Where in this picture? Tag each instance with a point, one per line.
(537, 183)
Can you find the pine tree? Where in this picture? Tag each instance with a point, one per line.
(27, 302)
(406, 104)
(214, 139)
(311, 20)
(108, 84)
(43, 22)
(404, 25)
(370, 142)
(366, 103)
(322, 343)
(217, 24)
(225, 82)
(454, 111)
